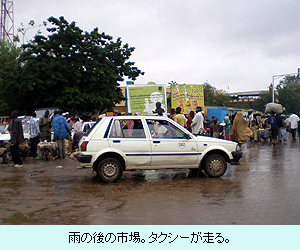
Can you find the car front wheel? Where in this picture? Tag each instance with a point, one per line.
(215, 165)
(109, 170)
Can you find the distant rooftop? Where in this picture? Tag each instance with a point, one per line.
(248, 93)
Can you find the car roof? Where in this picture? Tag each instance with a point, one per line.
(138, 117)
(49, 108)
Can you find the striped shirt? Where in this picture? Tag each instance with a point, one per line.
(34, 128)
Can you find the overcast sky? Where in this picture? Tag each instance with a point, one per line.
(235, 44)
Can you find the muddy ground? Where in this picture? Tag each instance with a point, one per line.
(263, 190)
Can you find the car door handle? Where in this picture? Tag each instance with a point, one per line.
(116, 141)
(156, 141)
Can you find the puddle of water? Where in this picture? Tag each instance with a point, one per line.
(155, 175)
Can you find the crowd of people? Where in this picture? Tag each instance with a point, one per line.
(255, 126)
(40, 130)
(236, 127)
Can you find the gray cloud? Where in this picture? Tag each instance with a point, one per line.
(235, 43)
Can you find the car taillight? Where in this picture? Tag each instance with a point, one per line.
(83, 146)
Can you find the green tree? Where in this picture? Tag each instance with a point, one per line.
(289, 94)
(75, 70)
(260, 103)
(213, 98)
(9, 71)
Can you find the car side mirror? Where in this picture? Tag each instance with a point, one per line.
(187, 136)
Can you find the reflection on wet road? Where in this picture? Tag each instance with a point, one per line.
(262, 190)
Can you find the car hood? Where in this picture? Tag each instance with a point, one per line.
(4, 137)
(211, 140)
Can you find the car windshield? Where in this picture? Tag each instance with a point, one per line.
(2, 127)
(87, 126)
(25, 129)
(91, 129)
(5, 131)
(41, 112)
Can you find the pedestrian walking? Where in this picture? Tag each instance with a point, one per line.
(293, 120)
(34, 133)
(280, 124)
(68, 119)
(77, 125)
(190, 120)
(254, 125)
(173, 113)
(273, 121)
(227, 127)
(179, 117)
(240, 131)
(45, 127)
(197, 123)
(215, 126)
(17, 137)
(77, 129)
(61, 130)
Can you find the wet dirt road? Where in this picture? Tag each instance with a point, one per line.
(263, 190)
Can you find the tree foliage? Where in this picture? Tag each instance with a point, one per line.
(289, 94)
(9, 71)
(75, 70)
(213, 98)
(260, 103)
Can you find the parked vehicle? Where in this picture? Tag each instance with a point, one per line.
(2, 127)
(86, 126)
(118, 143)
(5, 135)
(41, 111)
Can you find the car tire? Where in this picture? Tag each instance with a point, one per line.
(109, 170)
(215, 165)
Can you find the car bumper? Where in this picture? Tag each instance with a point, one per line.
(83, 158)
(237, 155)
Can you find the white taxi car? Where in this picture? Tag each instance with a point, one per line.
(118, 143)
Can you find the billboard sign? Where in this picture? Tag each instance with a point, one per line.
(187, 97)
(143, 98)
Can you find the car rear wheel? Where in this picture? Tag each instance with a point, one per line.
(109, 170)
(215, 165)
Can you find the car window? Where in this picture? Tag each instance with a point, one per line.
(5, 131)
(92, 127)
(25, 128)
(86, 127)
(3, 127)
(127, 129)
(164, 129)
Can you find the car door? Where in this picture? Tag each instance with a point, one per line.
(129, 137)
(171, 146)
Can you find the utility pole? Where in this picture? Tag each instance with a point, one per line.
(7, 21)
